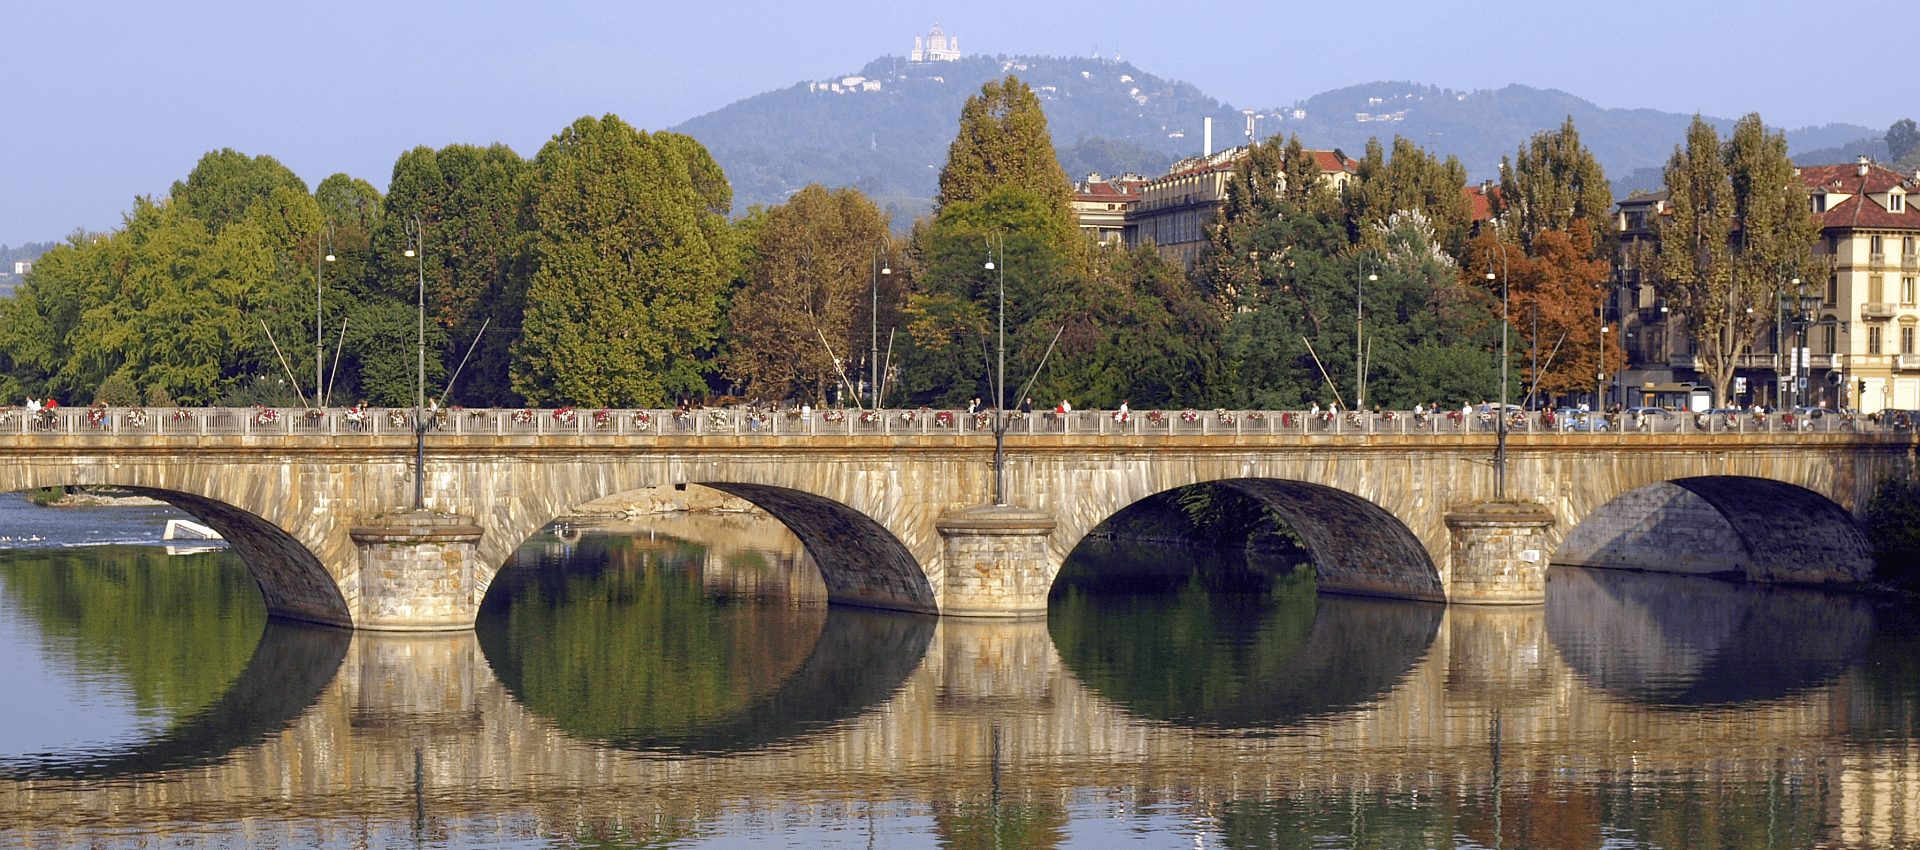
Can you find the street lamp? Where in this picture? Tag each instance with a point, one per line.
(1000, 386)
(1500, 421)
(1359, 339)
(873, 364)
(416, 231)
(319, 339)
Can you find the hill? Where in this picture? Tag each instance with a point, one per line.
(885, 129)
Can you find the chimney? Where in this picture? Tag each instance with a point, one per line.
(1206, 148)
(1864, 165)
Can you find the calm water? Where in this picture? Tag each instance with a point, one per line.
(682, 684)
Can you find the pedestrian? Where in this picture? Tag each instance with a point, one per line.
(1125, 412)
(1027, 405)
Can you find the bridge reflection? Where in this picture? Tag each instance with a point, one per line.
(997, 730)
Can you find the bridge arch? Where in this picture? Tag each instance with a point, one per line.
(1763, 529)
(862, 559)
(1357, 545)
(280, 552)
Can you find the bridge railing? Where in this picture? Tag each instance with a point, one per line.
(351, 423)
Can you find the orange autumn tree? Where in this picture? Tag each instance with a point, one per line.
(1560, 279)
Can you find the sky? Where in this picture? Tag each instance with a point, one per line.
(107, 101)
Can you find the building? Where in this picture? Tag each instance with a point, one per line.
(1846, 341)
(1173, 210)
(1102, 205)
(938, 47)
(1863, 333)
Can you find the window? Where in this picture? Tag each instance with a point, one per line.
(1906, 289)
(1906, 340)
(1833, 289)
(1827, 339)
(1906, 247)
(1818, 202)
(1873, 340)
(1896, 202)
(1876, 288)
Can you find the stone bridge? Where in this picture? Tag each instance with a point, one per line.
(896, 511)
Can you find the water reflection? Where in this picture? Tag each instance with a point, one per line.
(1240, 660)
(650, 645)
(1271, 720)
(1688, 641)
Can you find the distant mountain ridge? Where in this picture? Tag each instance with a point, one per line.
(885, 129)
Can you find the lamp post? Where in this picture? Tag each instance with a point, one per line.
(1359, 337)
(319, 339)
(1500, 421)
(873, 363)
(417, 232)
(1000, 386)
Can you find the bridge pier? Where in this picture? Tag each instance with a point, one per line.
(1499, 553)
(996, 561)
(416, 571)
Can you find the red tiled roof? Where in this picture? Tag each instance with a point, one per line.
(1481, 199)
(1859, 210)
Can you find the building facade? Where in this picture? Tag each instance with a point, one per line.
(1173, 210)
(1847, 340)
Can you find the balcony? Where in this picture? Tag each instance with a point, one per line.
(1757, 361)
(1877, 260)
(1683, 361)
(1877, 310)
(1826, 361)
(1907, 362)
(1910, 262)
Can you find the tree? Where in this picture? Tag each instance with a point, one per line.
(226, 183)
(470, 203)
(1554, 292)
(1903, 138)
(1739, 231)
(810, 287)
(1412, 180)
(633, 261)
(1003, 141)
(1555, 184)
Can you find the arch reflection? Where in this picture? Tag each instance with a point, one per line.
(651, 645)
(1682, 641)
(1245, 660)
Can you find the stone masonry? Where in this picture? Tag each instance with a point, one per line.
(1373, 508)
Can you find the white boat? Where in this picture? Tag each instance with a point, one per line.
(186, 529)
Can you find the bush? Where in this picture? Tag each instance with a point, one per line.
(1893, 527)
(157, 396)
(117, 391)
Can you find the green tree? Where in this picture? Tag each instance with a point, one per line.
(1739, 231)
(812, 285)
(1903, 138)
(634, 259)
(1003, 141)
(470, 201)
(1555, 184)
(226, 183)
(1412, 179)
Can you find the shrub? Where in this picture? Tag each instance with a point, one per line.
(117, 391)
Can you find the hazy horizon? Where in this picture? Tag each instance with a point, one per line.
(120, 100)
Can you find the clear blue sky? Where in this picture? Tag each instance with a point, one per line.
(108, 100)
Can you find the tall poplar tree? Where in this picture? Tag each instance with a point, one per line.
(634, 257)
(1739, 231)
(1555, 184)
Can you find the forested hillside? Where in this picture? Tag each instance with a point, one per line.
(1112, 117)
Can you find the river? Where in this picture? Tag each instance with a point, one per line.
(680, 682)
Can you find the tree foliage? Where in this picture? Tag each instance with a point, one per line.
(634, 257)
(226, 183)
(1003, 141)
(1555, 184)
(1554, 293)
(1739, 231)
(1903, 138)
(813, 279)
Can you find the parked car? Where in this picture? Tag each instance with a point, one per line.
(1572, 419)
